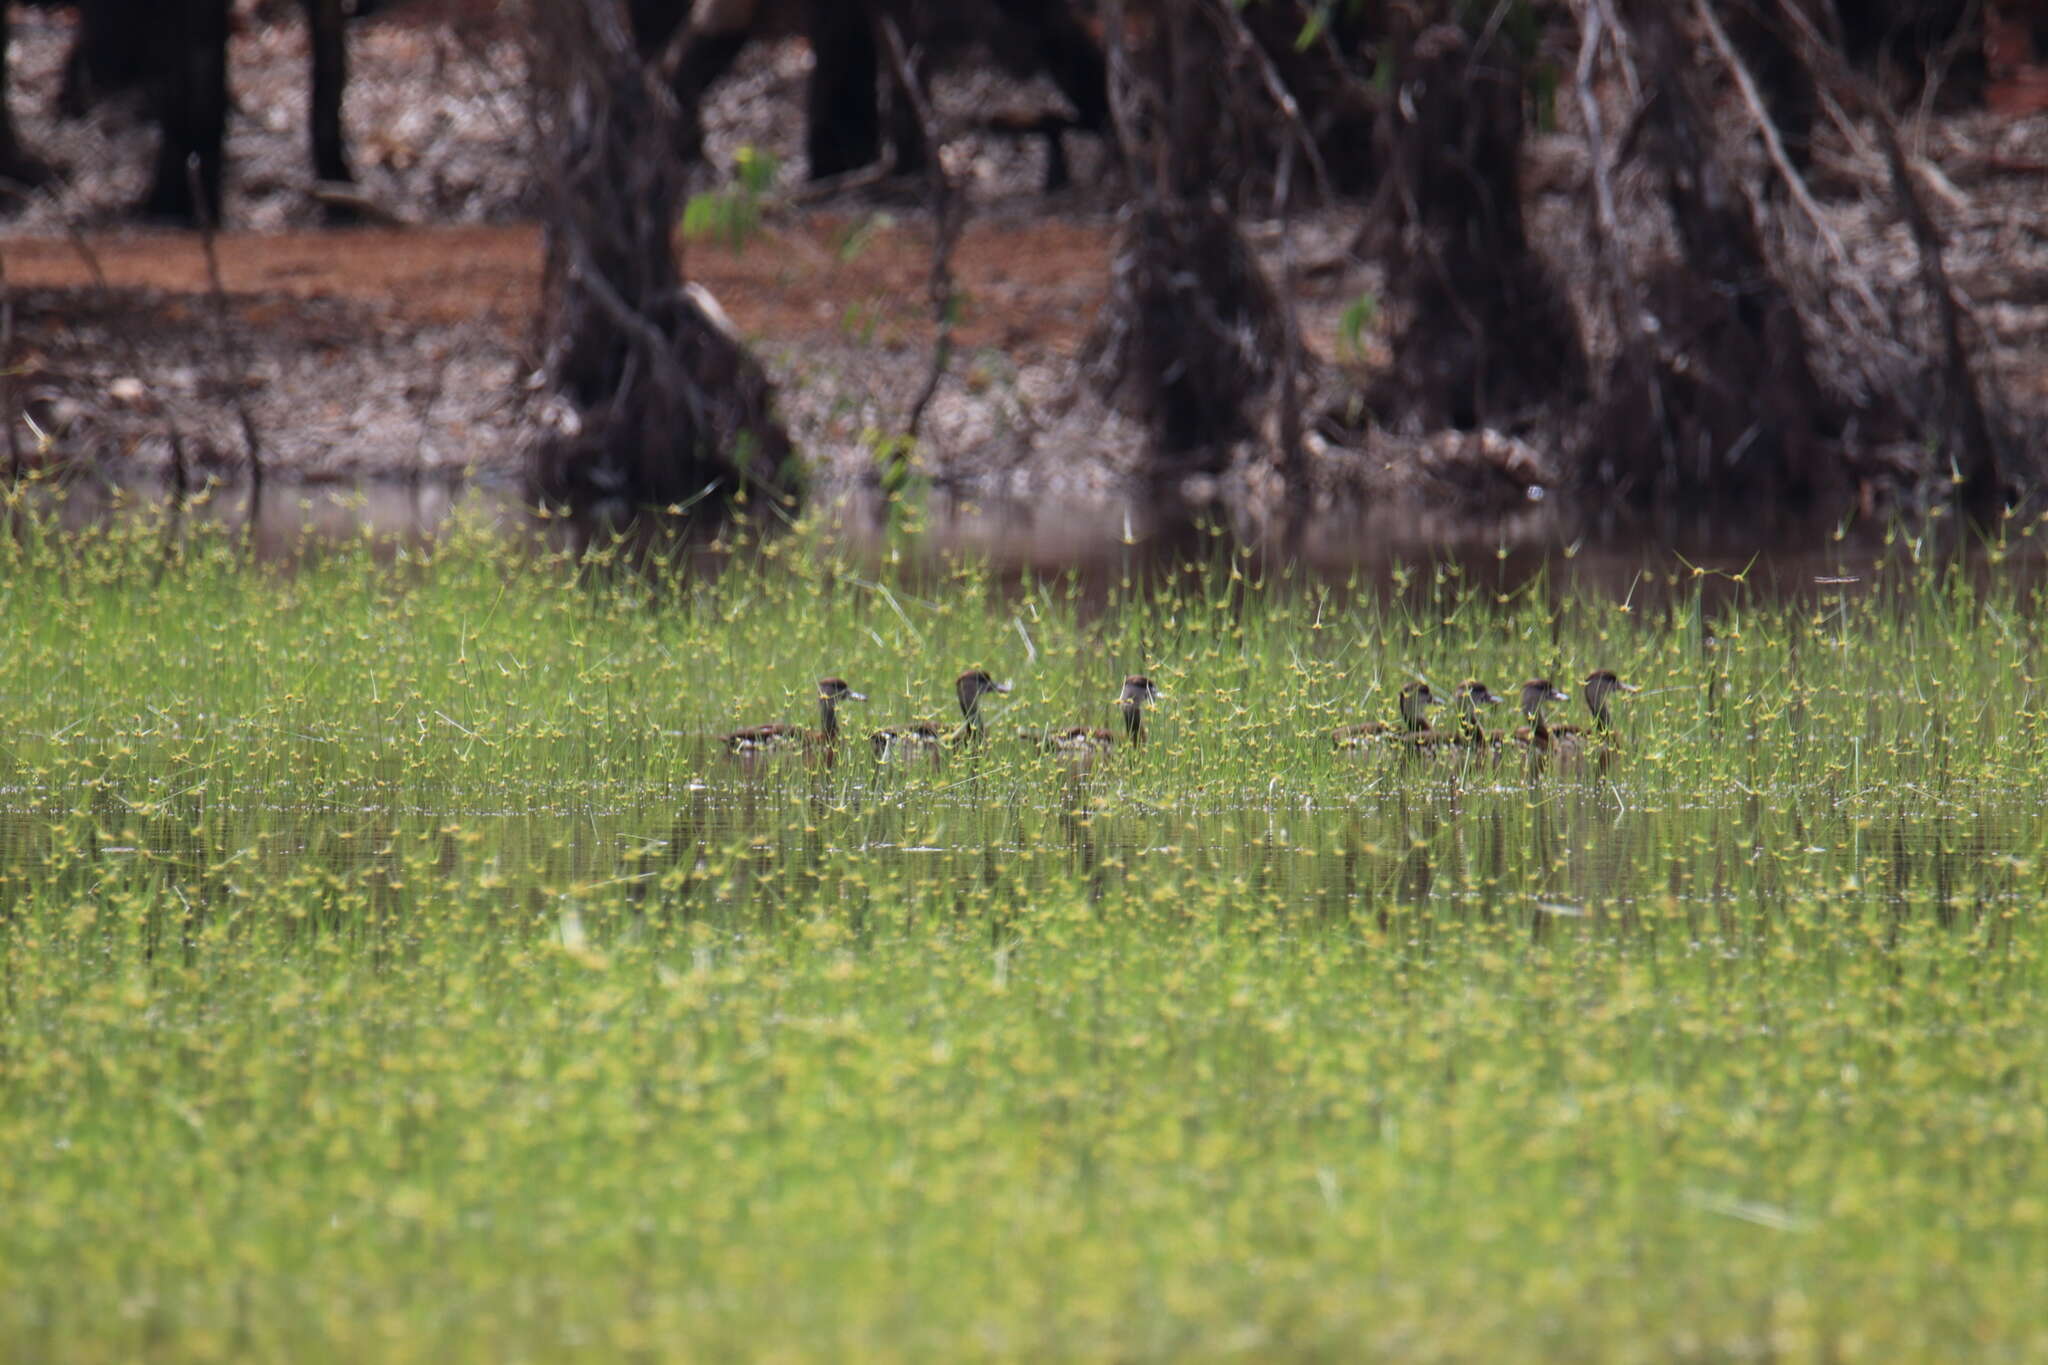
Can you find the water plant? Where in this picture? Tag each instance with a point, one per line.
(394, 965)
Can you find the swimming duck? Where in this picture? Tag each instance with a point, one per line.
(926, 736)
(1082, 739)
(1600, 685)
(779, 735)
(1416, 699)
(1468, 697)
(1536, 694)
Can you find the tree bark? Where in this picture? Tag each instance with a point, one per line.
(1488, 339)
(1733, 409)
(657, 403)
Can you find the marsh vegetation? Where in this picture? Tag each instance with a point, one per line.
(394, 964)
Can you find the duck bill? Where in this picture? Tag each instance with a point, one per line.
(853, 696)
(1002, 687)
(1628, 687)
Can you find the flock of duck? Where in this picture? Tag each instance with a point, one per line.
(1538, 736)
(1411, 733)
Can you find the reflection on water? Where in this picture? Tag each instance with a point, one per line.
(1548, 856)
(1548, 851)
(1112, 541)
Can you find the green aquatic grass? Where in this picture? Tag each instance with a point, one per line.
(392, 968)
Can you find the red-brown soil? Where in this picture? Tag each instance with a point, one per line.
(1031, 287)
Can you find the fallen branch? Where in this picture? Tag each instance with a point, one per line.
(339, 194)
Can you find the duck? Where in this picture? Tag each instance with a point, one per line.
(1138, 690)
(1600, 685)
(780, 736)
(927, 736)
(1537, 693)
(1416, 699)
(1467, 698)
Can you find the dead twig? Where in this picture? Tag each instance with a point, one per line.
(181, 475)
(230, 344)
(1283, 100)
(9, 409)
(426, 408)
(1774, 147)
(949, 217)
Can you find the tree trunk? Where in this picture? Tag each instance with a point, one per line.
(192, 110)
(329, 42)
(843, 108)
(654, 401)
(117, 49)
(1743, 416)
(1193, 336)
(1488, 339)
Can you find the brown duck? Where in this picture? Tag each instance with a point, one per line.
(1082, 739)
(1600, 685)
(1468, 697)
(1416, 699)
(780, 736)
(1537, 693)
(927, 737)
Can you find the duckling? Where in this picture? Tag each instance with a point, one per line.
(1600, 684)
(778, 736)
(1468, 697)
(1416, 699)
(1082, 739)
(926, 736)
(1536, 694)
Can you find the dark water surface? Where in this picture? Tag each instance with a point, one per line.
(1122, 539)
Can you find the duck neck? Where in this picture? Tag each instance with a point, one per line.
(1134, 721)
(828, 718)
(1468, 719)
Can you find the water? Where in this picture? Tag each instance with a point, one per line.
(1104, 541)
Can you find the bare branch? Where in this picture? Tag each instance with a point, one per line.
(949, 217)
(1283, 98)
(1774, 146)
(181, 478)
(230, 349)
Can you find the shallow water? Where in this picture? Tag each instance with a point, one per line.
(1416, 841)
(1107, 541)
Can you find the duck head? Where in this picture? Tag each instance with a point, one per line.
(970, 687)
(832, 691)
(1138, 690)
(1416, 699)
(1600, 685)
(1538, 693)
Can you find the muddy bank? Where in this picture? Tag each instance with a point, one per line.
(404, 354)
